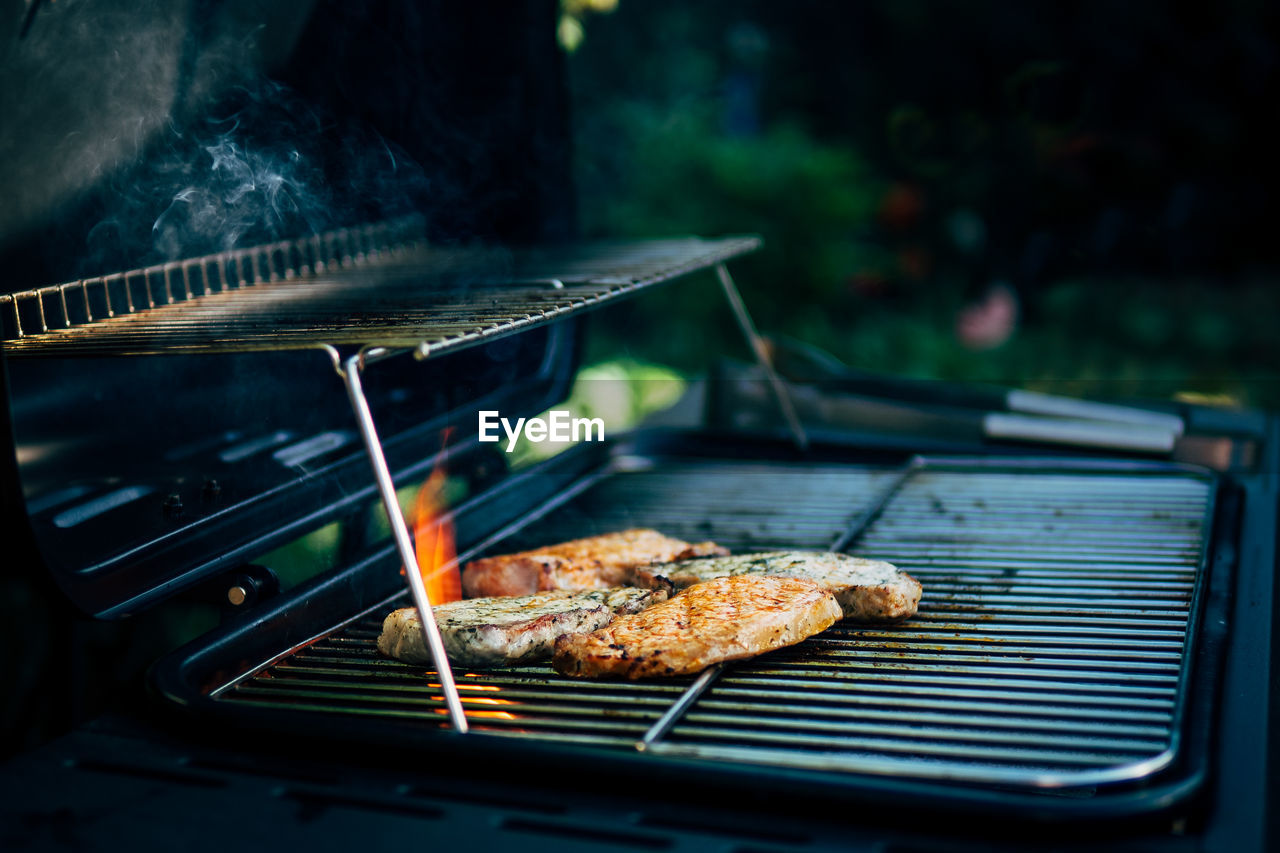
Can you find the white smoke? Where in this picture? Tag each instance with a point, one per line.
(145, 133)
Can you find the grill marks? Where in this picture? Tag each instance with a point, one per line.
(597, 562)
(1048, 644)
(728, 618)
(509, 630)
(867, 590)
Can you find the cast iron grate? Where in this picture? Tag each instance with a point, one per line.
(1049, 650)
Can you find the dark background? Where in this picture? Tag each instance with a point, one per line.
(1113, 164)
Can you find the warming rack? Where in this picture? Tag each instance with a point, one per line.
(361, 295)
(374, 290)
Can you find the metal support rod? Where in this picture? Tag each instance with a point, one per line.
(756, 343)
(704, 680)
(350, 373)
(708, 676)
(673, 714)
(863, 520)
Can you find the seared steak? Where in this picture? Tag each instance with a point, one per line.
(599, 562)
(868, 590)
(484, 632)
(723, 619)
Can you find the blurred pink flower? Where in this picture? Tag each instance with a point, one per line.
(991, 321)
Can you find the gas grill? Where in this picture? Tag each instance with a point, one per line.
(1091, 665)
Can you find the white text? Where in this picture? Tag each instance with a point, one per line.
(557, 426)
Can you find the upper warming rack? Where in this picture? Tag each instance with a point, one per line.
(375, 287)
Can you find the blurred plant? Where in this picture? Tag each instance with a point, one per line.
(622, 393)
(672, 172)
(307, 556)
(886, 191)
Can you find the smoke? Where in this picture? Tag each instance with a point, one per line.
(221, 181)
(80, 94)
(262, 165)
(133, 135)
(244, 188)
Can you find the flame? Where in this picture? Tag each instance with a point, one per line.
(473, 700)
(489, 715)
(433, 538)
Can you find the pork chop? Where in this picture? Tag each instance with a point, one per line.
(723, 619)
(598, 562)
(511, 630)
(868, 590)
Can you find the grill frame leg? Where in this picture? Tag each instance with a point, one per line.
(349, 369)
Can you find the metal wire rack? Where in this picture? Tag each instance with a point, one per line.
(379, 287)
(1050, 650)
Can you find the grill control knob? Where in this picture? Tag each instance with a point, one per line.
(173, 506)
(212, 489)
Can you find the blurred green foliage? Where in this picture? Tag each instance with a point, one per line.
(657, 154)
(305, 557)
(621, 393)
(812, 204)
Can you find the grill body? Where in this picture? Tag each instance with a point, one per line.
(293, 723)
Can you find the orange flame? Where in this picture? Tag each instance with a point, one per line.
(433, 539)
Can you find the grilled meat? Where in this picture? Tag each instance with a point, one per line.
(484, 632)
(599, 562)
(868, 590)
(723, 619)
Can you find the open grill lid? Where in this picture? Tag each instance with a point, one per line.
(143, 477)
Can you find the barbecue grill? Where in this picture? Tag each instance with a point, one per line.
(1091, 662)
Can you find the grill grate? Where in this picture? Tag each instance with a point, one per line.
(374, 287)
(1048, 650)
(345, 673)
